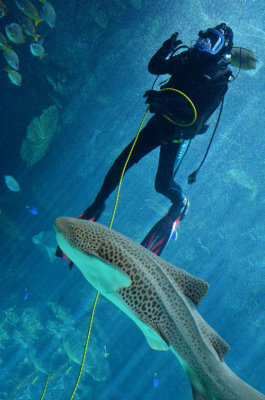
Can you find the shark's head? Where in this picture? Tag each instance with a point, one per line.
(91, 247)
(77, 235)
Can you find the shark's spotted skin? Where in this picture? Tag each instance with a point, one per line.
(159, 298)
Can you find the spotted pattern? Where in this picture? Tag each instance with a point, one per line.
(160, 295)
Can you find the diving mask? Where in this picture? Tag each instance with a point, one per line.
(210, 41)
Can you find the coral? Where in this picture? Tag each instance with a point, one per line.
(39, 135)
(96, 364)
(61, 313)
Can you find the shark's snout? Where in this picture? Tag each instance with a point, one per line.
(58, 224)
(61, 224)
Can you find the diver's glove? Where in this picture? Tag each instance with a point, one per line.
(171, 44)
(155, 101)
(162, 102)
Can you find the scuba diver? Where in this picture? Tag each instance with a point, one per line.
(202, 73)
(199, 78)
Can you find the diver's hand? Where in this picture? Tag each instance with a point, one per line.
(172, 43)
(153, 98)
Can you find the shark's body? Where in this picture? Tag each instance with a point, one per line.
(156, 296)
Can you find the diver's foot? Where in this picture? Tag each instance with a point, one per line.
(177, 214)
(93, 212)
(179, 211)
(165, 229)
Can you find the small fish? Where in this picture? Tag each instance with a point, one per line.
(14, 33)
(67, 371)
(34, 380)
(28, 9)
(11, 183)
(243, 58)
(155, 380)
(3, 9)
(33, 210)
(29, 28)
(106, 354)
(26, 295)
(3, 42)
(11, 58)
(48, 13)
(13, 75)
(37, 50)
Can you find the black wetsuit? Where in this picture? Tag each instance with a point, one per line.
(203, 78)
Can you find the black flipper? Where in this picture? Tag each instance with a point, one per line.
(159, 236)
(165, 229)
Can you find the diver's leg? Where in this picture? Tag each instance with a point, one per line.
(160, 234)
(147, 141)
(164, 183)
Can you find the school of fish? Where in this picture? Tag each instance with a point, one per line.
(18, 33)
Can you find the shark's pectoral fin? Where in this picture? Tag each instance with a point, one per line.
(106, 278)
(153, 338)
(192, 287)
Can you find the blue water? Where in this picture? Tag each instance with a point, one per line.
(95, 71)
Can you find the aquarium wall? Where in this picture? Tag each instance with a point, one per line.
(71, 100)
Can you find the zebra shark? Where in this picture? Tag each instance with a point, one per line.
(160, 298)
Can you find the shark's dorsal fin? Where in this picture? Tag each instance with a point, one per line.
(211, 336)
(192, 287)
(195, 289)
(220, 346)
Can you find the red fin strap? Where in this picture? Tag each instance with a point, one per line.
(82, 217)
(150, 241)
(157, 244)
(177, 220)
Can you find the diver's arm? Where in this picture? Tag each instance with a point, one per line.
(160, 64)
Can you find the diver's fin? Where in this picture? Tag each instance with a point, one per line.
(164, 230)
(60, 253)
(159, 236)
(93, 212)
